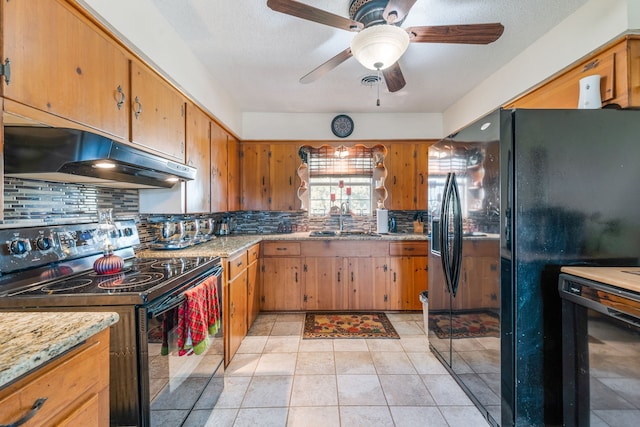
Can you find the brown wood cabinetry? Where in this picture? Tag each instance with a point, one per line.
(422, 175)
(408, 265)
(157, 113)
(326, 283)
(1, 161)
(281, 283)
(283, 177)
(219, 169)
(253, 284)
(255, 176)
(198, 191)
(368, 280)
(62, 64)
(617, 65)
(234, 185)
(480, 279)
(75, 386)
(235, 302)
(400, 183)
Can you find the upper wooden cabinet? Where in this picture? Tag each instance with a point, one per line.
(617, 65)
(219, 169)
(198, 191)
(234, 181)
(62, 64)
(400, 182)
(157, 113)
(283, 177)
(255, 176)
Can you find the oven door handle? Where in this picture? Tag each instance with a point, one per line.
(174, 300)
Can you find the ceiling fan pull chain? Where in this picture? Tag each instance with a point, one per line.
(379, 79)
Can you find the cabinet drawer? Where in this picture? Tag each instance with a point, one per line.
(236, 264)
(70, 385)
(408, 248)
(253, 253)
(281, 248)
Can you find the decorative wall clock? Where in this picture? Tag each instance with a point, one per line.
(342, 126)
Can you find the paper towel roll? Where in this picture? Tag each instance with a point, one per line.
(382, 218)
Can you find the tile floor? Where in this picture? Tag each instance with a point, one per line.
(278, 379)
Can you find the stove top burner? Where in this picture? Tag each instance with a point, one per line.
(134, 280)
(66, 285)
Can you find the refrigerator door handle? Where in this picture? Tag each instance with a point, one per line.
(457, 235)
(444, 233)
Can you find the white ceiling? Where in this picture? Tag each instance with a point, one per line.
(259, 55)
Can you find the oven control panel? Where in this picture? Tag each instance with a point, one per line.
(24, 248)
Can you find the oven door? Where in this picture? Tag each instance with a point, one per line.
(178, 374)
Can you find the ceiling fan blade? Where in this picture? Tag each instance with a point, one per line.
(327, 66)
(301, 10)
(396, 10)
(466, 34)
(394, 78)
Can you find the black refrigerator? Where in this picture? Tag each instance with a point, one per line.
(513, 197)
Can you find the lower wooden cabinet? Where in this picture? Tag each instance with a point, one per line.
(75, 388)
(342, 275)
(253, 284)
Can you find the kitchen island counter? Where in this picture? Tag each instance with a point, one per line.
(29, 340)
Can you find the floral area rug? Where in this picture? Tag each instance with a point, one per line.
(348, 325)
(466, 325)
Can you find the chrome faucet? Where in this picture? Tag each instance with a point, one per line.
(341, 219)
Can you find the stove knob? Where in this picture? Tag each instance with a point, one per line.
(44, 243)
(128, 232)
(19, 246)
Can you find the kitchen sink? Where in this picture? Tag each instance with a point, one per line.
(322, 233)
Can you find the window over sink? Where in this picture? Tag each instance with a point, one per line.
(340, 179)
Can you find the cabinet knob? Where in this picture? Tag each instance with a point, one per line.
(138, 107)
(121, 97)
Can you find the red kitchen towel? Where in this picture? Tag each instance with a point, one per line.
(197, 316)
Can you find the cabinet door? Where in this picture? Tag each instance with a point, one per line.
(326, 284)
(400, 182)
(198, 155)
(422, 173)
(157, 113)
(219, 170)
(368, 283)
(253, 285)
(281, 284)
(255, 176)
(237, 311)
(283, 177)
(63, 65)
(408, 279)
(233, 177)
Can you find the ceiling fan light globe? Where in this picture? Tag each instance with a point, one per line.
(379, 44)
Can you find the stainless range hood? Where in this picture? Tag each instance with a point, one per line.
(70, 155)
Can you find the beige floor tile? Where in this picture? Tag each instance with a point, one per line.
(365, 416)
(268, 391)
(253, 344)
(234, 390)
(276, 364)
(260, 329)
(360, 390)
(406, 390)
(217, 418)
(354, 362)
(462, 416)
(384, 345)
(282, 344)
(445, 390)
(415, 343)
(290, 317)
(263, 417)
(242, 365)
(286, 329)
(314, 390)
(413, 416)
(409, 329)
(350, 345)
(311, 345)
(315, 363)
(326, 416)
(426, 363)
(392, 362)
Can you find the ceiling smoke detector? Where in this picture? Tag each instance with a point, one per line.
(370, 80)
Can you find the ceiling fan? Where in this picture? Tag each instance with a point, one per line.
(380, 41)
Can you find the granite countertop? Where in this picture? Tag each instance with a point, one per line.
(622, 277)
(31, 339)
(225, 246)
